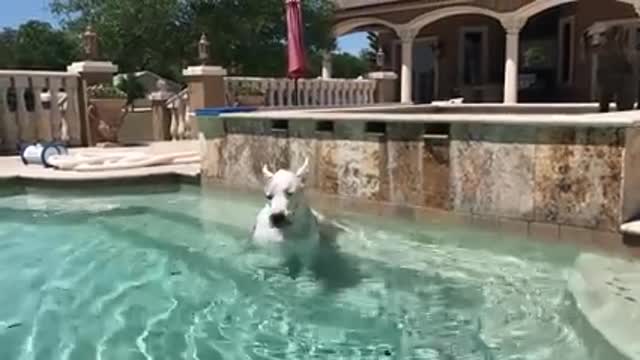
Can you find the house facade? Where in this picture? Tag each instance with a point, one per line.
(486, 50)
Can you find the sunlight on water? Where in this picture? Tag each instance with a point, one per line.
(167, 276)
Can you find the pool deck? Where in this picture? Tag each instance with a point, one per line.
(11, 167)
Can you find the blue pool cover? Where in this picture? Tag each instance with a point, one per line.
(224, 110)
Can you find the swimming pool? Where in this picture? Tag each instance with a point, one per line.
(164, 275)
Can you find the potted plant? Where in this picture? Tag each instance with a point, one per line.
(248, 95)
(107, 109)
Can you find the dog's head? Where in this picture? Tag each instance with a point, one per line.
(284, 193)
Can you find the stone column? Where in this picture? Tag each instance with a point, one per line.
(90, 72)
(385, 85)
(326, 65)
(406, 75)
(512, 26)
(161, 117)
(206, 86)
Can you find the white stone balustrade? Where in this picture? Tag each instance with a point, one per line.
(281, 92)
(181, 127)
(28, 114)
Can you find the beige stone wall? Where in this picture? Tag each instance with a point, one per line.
(137, 127)
(537, 175)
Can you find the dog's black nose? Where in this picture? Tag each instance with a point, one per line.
(278, 219)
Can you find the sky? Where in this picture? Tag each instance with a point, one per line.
(22, 10)
(353, 43)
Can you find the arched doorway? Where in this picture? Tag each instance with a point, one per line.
(467, 48)
(547, 55)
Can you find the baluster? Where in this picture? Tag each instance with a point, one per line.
(180, 118)
(340, 92)
(71, 110)
(263, 85)
(227, 91)
(353, 87)
(279, 86)
(8, 130)
(22, 119)
(371, 93)
(188, 121)
(357, 91)
(174, 121)
(55, 118)
(330, 85)
(321, 98)
(41, 128)
(303, 93)
(365, 93)
(315, 96)
(271, 93)
(289, 92)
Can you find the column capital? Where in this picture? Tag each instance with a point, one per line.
(513, 24)
(407, 34)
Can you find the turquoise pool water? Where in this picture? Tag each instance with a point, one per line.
(166, 276)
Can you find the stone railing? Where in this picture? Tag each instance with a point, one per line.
(181, 124)
(281, 92)
(27, 112)
(348, 4)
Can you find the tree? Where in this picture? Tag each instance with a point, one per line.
(162, 35)
(349, 66)
(7, 48)
(36, 45)
(39, 46)
(134, 34)
(374, 44)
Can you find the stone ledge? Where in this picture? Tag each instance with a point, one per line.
(93, 67)
(204, 71)
(607, 120)
(607, 292)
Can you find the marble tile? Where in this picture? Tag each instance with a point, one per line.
(239, 162)
(436, 179)
(404, 163)
(326, 179)
(213, 160)
(578, 177)
(492, 170)
(631, 178)
(358, 168)
(245, 155)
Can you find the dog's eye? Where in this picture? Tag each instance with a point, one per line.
(289, 193)
(269, 197)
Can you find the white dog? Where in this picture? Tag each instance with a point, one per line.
(286, 221)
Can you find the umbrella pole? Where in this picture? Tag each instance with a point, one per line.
(295, 92)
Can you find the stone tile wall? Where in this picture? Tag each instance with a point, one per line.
(541, 175)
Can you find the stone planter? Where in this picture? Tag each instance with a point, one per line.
(250, 100)
(106, 117)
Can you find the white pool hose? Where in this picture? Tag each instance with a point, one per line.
(119, 161)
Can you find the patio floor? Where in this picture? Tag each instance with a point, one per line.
(12, 167)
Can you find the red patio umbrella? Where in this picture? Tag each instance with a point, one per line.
(295, 42)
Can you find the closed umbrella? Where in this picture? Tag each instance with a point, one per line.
(295, 42)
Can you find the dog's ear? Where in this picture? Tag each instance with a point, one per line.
(265, 171)
(302, 171)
